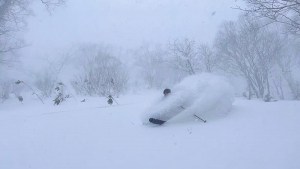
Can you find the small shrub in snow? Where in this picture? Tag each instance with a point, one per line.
(110, 100)
(61, 96)
(20, 98)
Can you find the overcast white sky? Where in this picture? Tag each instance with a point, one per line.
(125, 23)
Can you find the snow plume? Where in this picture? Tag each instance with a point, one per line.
(206, 95)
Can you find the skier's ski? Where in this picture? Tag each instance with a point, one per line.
(156, 121)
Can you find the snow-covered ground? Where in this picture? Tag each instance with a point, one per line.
(92, 135)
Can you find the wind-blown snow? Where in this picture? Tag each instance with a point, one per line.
(206, 95)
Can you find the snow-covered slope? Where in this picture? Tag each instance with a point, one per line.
(91, 135)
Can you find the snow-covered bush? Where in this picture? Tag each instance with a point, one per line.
(61, 94)
(100, 73)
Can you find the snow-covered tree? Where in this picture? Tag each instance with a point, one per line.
(208, 58)
(247, 48)
(185, 56)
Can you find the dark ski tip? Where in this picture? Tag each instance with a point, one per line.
(156, 121)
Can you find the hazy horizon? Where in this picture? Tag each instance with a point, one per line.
(122, 24)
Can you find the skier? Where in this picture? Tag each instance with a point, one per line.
(198, 95)
(166, 93)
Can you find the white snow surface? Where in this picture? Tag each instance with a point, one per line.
(207, 95)
(92, 135)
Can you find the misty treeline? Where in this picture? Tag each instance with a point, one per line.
(261, 48)
(267, 60)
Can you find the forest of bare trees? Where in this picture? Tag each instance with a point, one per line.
(261, 48)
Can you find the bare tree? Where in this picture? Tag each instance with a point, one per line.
(47, 78)
(281, 11)
(208, 58)
(153, 69)
(13, 15)
(246, 48)
(12, 20)
(185, 56)
(289, 68)
(52, 4)
(149, 63)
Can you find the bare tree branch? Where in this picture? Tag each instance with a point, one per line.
(13, 14)
(52, 4)
(185, 56)
(282, 11)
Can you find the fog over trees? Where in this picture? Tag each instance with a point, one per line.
(258, 50)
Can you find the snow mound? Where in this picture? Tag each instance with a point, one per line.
(206, 95)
